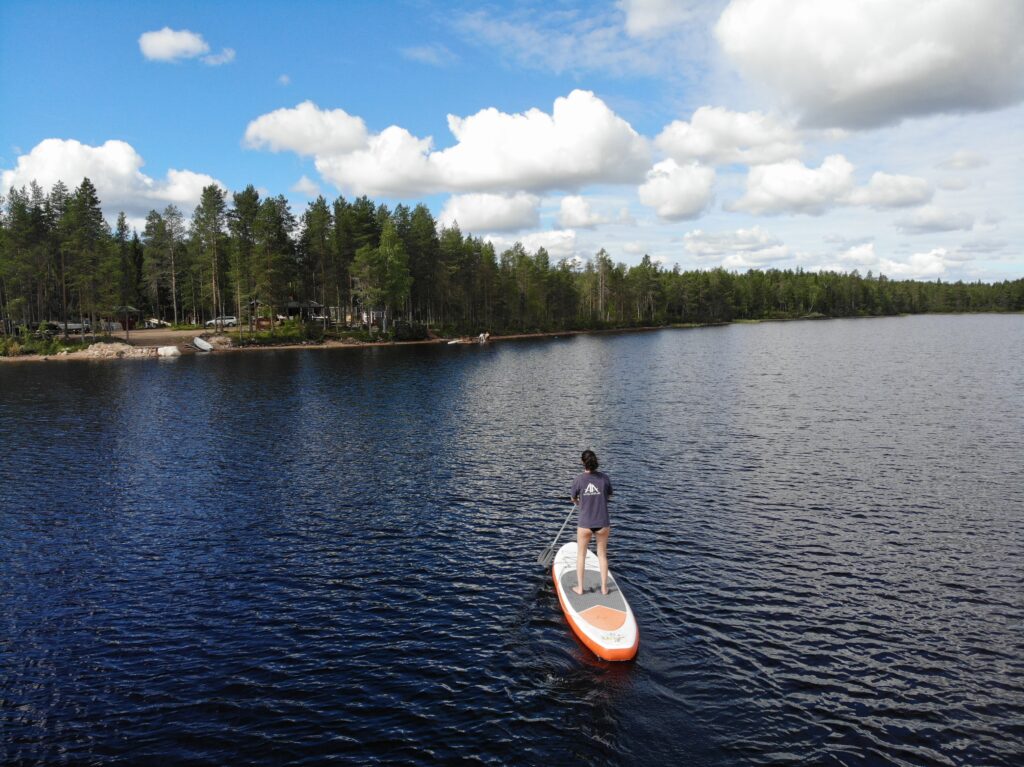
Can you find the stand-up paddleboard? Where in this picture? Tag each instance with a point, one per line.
(603, 622)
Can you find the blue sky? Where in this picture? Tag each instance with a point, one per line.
(742, 133)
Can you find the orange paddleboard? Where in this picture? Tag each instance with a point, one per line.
(603, 622)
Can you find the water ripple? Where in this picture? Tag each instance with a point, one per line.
(329, 557)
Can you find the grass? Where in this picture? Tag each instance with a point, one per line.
(42, 346)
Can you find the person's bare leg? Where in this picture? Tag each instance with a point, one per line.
(582, 541)
(602, 556)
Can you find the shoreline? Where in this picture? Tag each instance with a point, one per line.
(146, 352)
(149, 352)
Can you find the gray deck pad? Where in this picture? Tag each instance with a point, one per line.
(592, 596)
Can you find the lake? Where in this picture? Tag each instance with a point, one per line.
(329, 555)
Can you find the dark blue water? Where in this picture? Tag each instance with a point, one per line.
(329, 556)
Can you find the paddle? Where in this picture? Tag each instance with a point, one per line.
(548, 555)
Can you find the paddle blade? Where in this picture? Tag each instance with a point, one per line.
(547, 556)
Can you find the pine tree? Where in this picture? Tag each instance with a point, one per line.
(316, 247)
(424, 249)
(208, 222)
(242, 224)
(274, 250)
(382, 274)
(126, 292)
(156, 260)
(86, 240)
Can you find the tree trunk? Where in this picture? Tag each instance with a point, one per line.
(64, 294)
(174, 286)
(213, 285)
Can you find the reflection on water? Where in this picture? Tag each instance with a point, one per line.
(303, 556)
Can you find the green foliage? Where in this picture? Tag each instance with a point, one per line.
(293, 332)
(409, 331)
(382, 273)
(14, 346)
(59, 260)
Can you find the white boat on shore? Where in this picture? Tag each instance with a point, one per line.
(480, 339)
(202, 344)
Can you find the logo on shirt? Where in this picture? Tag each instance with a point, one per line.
(591, 490)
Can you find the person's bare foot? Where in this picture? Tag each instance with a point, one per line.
(577, 590)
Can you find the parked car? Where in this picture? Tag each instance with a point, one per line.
(56, 326)
(45, 329)
(227, 322)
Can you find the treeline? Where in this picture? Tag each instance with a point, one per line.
(242, 254)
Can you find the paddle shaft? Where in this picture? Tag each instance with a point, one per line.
(546, 554)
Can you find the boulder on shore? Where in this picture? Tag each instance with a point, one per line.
(117, 350)
(221, 341)
(168, 351)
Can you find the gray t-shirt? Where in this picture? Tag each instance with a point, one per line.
(592, 489)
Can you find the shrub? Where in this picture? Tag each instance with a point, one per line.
(409, 331)
(313, 331)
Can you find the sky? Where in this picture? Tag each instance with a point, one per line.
(885, 136)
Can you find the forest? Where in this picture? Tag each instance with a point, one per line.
(247, 255)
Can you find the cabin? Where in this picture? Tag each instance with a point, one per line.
(309, 311)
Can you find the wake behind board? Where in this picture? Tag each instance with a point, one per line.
(603, 622)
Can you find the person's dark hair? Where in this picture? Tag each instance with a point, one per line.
(589, 460)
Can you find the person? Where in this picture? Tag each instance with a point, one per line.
(592, 490)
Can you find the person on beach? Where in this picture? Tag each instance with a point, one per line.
(592, 490)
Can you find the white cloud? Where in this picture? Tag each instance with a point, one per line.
(284, 80)
(306, 130)
(859, 256)
(558, 42)
(863, 258)
(393, 163)
(888, 191)
(677, 192)
(716, 135)
(175, 44)
(714, 244)
(625, 217)
(740, 249)
(983, 245)
(226, 56)
(633, 248)
(963, 159)
(864, 63)
(931, 219)
(844, 241)
(743, 261)
(435, 54)
(306, 186)
(581, 142)
(559, 243)
(491, 212)
(114, 169)
(920, 266)
(792, 187)
(652, 18)
(574, 212)
(172, 44)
